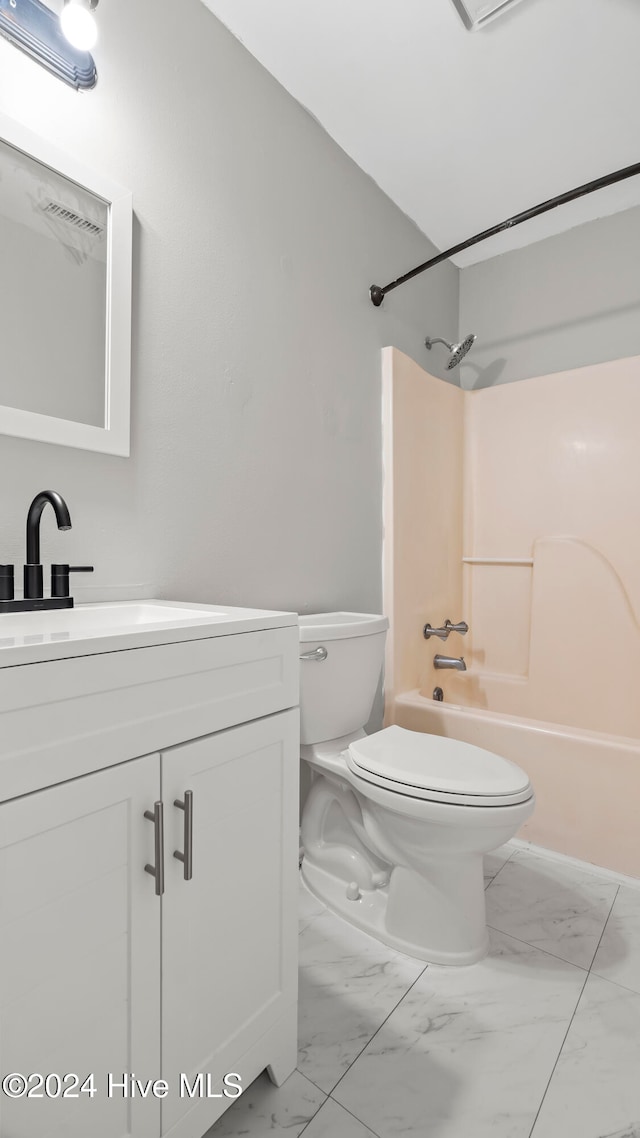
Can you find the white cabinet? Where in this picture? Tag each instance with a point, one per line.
(229, 935)
(102, 973)
(79, 952)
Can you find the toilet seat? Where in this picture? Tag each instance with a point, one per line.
(437, 769)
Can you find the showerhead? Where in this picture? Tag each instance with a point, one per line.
(458, 351)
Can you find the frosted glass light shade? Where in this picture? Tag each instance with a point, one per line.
(79, 25)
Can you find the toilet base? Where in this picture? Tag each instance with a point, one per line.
(372, 913)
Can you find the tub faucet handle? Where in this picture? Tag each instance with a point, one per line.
(460, 627)
(442, 633)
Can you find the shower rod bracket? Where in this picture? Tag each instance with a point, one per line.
(378, 293)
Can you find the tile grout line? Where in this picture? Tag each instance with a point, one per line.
(536, 947)
(571, 963)
(616, 984)
(546, 1089)
(490, 883)
(553, 1070)
(339, 1104)
(333, 1100)
(365, 1124)
(605, 929)
(309, 1080)
(316, 1112)
(364, 1048)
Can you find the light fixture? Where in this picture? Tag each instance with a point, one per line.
(78, 23)
(35, 29)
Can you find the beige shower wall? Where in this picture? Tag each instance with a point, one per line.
(423, 467)
(517, 509)
(552, 477)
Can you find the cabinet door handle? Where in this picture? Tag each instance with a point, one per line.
(157, 817)
(187, 857)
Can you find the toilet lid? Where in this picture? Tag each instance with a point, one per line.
(437, 768)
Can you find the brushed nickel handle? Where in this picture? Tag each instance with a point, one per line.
(157, 817)
(462, 627)
(441, 633)
(318, 654)
(187, 857)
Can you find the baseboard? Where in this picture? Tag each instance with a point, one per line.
(577, 863)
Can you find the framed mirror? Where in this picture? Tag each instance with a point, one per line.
(65, 298)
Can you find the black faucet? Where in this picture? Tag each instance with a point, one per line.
(33, 574)
(33, 579)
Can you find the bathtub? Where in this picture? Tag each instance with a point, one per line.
(587, 783)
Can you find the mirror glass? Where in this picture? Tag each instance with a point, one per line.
(65, 297)
(53, 292)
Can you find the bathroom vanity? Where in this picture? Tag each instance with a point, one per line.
(148, 864)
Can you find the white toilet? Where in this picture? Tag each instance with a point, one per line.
(395, 823)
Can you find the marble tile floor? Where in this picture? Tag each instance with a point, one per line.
(540, 1040)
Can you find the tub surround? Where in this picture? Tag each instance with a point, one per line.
(551, 472)
(422, 496)
(522, 528)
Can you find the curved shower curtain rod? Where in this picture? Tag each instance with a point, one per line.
(378, 294)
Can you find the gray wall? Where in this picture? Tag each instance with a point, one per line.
(255, 475)
(568, 301)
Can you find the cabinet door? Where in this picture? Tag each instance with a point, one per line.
(230, 933)
(79, 952)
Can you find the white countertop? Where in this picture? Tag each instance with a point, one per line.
(88, 630)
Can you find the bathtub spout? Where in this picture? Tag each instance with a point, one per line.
(455, 662)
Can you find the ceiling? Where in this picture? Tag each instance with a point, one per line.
(463, 129)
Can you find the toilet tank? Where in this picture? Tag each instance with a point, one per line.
(337, 691)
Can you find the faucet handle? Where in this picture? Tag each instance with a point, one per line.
(441, 633)
(60, 577)
(6, 583)
(461, 627)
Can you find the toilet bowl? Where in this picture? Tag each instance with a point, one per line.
(396, 824)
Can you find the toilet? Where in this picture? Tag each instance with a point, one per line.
(396, 823)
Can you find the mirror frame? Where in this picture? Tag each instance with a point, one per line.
(113, 438)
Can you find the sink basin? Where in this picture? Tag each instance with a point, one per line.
(30, 637)
(94, 620)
